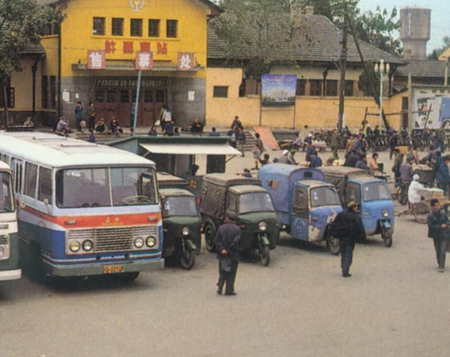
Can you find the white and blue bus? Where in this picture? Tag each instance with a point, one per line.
(85, 209)
(9, 241)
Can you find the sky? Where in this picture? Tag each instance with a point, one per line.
(440, 13)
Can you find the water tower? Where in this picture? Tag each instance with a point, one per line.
(415, 31)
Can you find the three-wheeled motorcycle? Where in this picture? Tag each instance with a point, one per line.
(249, 202)
(305, 203)
(181, 219)
(372, 194)
(181, 225)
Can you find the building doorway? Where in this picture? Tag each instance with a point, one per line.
(115, 98)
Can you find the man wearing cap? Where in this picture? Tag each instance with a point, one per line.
(416, 190)
(348, 227)
(283, 159)
(227, 245)
(438, 229)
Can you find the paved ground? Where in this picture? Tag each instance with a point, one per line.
(395, 304)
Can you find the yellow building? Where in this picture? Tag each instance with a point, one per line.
(314, 56)
(92, 58)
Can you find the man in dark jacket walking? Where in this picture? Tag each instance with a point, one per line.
(348, 227)
(227, 245)
(438, 229)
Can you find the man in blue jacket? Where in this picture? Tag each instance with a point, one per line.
(444, 175)
(438, 229)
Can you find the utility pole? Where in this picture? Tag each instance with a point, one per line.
(372, 87)
(343, 65)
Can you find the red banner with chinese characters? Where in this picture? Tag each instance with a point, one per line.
(186, 61)
(144, 60)
(96, 59)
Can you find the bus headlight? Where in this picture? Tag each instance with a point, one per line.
(75, 246)
(138, 242)
(185, 231)
(87, 245)
(385, 213)
(262, 226)
(151, 241)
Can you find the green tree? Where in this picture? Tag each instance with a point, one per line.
(21, 21)
(440, 50)
(256, 32)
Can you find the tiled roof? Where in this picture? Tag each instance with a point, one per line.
(422, 68)
(216, 9)
(33, 49)
(317, 40)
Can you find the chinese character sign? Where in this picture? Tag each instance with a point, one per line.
(96, 59)
(143, 61)
(186, 61)
(278, 89)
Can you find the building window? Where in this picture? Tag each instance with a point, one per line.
(99, 26)
(301, 87)
(332, 88)
(172, 28)
(111, 96)
(349, 89)
(117, 27)
(10, 97)
(148, 96)
(153, 28)
(160, 96)
(220, 92)
(52, 92)
(136, 27)
(99, 95)
(315, 87)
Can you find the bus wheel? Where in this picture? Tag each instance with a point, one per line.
(210, 237)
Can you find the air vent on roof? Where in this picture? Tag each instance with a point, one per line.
(78, 145)
(49, 138)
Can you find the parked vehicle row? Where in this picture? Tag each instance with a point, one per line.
(107, 213)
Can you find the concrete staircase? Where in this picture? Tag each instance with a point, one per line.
(102, 139)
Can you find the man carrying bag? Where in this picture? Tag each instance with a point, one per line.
(227, 244)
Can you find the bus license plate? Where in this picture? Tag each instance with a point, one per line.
(111, 269)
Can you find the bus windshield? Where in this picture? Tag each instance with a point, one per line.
(324, 196)
(255, 202)
(102, 187)
(6, 201)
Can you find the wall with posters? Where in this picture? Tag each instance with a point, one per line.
(430, 106)
(174, 31)
(316, 112)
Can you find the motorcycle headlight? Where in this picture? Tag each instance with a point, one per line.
(74, 246)
(385, 213)
(185, 231)
(151, 242)
(262, 226)
(138, 242)
(87, 245)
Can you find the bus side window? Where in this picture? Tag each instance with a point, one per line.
(45, 184)
(17, 166)
(30, 179)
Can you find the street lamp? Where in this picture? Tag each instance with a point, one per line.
(381, 68)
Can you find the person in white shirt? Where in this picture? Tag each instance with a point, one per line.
(416, 190)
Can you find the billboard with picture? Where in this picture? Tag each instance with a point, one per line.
(278, 89)
(430, 107)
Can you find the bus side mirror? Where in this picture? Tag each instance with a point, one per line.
(22, 203)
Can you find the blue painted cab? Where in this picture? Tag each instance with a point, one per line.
(304, 202)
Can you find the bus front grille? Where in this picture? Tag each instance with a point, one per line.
(115, 239)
